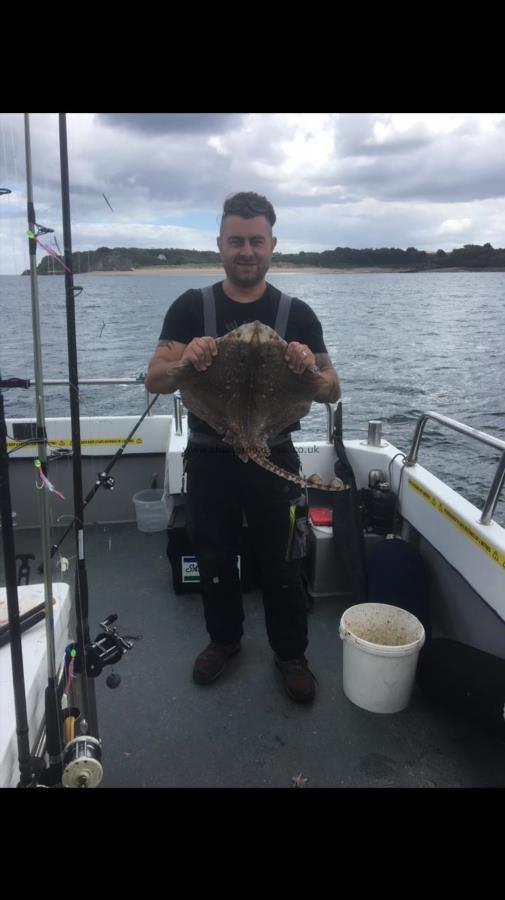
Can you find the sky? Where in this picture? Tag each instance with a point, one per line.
(430, 181)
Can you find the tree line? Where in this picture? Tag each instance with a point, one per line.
(468, 256)
(124, 259)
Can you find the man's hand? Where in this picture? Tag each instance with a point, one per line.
(299, 357)
(200, 352)
(169, 354)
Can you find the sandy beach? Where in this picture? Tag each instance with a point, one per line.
(216, 270)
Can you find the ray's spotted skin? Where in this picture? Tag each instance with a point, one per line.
(249, 394)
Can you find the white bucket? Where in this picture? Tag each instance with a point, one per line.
(150, 510)
(381, 650)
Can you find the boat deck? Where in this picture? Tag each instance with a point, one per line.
(159, 729)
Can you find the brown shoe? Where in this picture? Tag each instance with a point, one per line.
(299, 681)
(211, 662)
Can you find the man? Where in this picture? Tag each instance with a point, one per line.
(219, 485)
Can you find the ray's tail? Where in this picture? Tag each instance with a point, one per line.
(314, 481)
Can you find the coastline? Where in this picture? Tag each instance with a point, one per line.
(217, 270)
(283, 270)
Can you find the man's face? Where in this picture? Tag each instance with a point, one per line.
(246, 247)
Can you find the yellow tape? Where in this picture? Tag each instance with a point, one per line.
(85, 442)
(460, 524)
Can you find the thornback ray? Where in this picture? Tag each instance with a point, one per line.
(249, 394)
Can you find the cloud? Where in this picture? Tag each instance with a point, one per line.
(171, 123)
(454, 226)
(335, 179)
(96, 234)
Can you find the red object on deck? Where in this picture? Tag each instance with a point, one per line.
(320, 515)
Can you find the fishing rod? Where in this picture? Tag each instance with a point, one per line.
(82, 754)
(77, 763)
(88, 717)
(103, 479)
(52, 706)
(26, 620)
(18, 676)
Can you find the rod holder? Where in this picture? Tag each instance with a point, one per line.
(374, 433)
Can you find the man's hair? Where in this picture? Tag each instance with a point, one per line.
(248, 205)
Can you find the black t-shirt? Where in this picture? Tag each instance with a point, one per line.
(184, 321)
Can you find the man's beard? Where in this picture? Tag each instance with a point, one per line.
(244, 276)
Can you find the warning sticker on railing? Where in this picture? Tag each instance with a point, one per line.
(493, 552)
(85, 442)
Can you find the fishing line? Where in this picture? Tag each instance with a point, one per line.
(54, 739)
(20, 444)
(4, 154)
(52, 455)
(18, 249)
(11, 167)
(11, 190)
(397, 494)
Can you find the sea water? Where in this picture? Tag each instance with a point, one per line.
(403, 343)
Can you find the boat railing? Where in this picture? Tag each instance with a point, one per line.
(468, 431)
(374, 433)
(178, 404)
(53, 382)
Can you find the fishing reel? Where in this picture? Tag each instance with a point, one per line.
(107, 648)
(82, 756)
(106, 481)
(82, 767)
